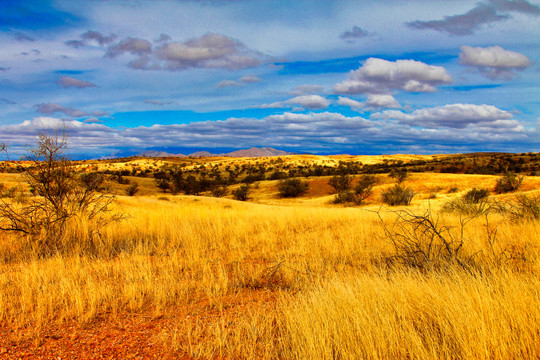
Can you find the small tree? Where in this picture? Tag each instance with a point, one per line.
(60, 195)
(292, 187)
(399, 174)
(242, 193)
(364, 187)
(340, 183)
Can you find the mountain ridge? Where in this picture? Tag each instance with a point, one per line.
(251, 152)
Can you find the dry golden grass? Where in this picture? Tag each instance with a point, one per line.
(280, 280)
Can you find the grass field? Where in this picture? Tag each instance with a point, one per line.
(271, 278)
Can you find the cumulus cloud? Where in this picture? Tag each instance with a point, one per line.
(209, 51)
(457, 116)
(494, 61)
(50, 108)
(378, 76)
(354, 34)
(68, 81)
(311, 102)
(306, 89)
(353, 104)
(373, 102)
(483, 13)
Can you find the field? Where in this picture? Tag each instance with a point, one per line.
(201, 277)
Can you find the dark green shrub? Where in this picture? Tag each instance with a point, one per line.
(508, 183)
(397, 195)
(344, 197)
(340, 183)
(219, 191)
(242, 193)
(292, 187)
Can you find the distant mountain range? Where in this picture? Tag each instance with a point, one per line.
(253, 152)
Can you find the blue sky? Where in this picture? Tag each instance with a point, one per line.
(327, 77)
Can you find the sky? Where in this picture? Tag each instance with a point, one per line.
(308, 76)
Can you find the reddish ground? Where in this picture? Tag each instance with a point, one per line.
(122, 336)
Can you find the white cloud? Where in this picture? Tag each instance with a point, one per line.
(311, 102)
(353, 104)
(457, 116)
(374, 101)
(382, 101)
(378, 76)
(494, 61)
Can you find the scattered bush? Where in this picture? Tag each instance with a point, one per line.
(344, 197)
(292, 187)
(508, 183)
(242, 193)
(474, 196)
(132, 189)
(219, 191)
(397, 195)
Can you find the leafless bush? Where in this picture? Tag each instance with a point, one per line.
(59, 195)
(422, 242)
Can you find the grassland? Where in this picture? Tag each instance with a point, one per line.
(274, 278)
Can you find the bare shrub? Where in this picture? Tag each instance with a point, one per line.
(397, 195)
(420, 241)
(525, 208)
(59, 195)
